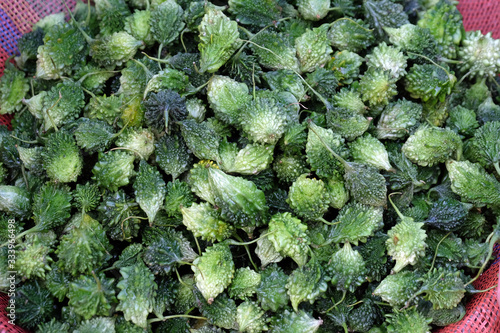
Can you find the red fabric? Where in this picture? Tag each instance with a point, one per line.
(482, 314)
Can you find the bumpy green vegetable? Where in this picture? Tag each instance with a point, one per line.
(213, 270)
(356, 222)
(425, 147)
(308, 198)
(205, 222)
(289, 237)
(397, 288)
(91, 295)
(346, 269)
(136, 297)
(306, 283)
(219, 39)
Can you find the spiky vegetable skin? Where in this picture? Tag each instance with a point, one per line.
(107, 108)
(408, 321)
(165, 248)
(271, 292)
(166, 22)
(259, 13)
(384, 13)
(57, 282)
(51, 206)
(96, 324)
(213, 270)
(136, 297)
(313, 10)
(291, 322)
(365, 184)
(251, 318)
(445, 317)
(356, 222)
(263, 120)
(14, 200)
(388, 58)
(283, 54)
(313, 48)
(412, 38)
(53, 326)
(226, 97)
(61, 158)
(350, 35)
(463, 121)
(250, 160)
(239, 200)
(93, 135)
(245, 283)
(33, 260)
(289, 167)
(473, 183)
(91, 295)
(266, 252)
(138, 25)
(178, 195)
(346, 269)
(444, 22)
(172, 155)
(363, 318)
(486, 144)
(368, 150)
(306, 283)
(137, 140)
(149, 188)
(337, 192)
(221, 311)
(429, 82)
(85, 248)
(13, 88)
(443, 288)
(185, 298)
(377, 86)
(114, 169)
(219, 38)
(432, 145)
(34, 304)
(318, 157)
(397, 288)
(448, 214)
(205, 222)
(406, 243)
(488, 111)
(202, 140)
(289, 237)
(62, 103)
(308, 197)
(114, 49)
(480, 54)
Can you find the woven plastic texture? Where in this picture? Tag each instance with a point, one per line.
(5, 327)
(483, 310)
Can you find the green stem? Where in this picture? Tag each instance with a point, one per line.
(349, 19)
(160, 48)
(123, 148)
(320, 97)
(180, 280)
(155, 320)
(436, 252)
(401, 216)
(197, 245)
(248, 251)
(341, 160)
(94, 73)
(493, 239)
(430, 60)
(484, 290)
(354, 304)
(29, 142)
(341, 300)
(497, 167)
(233, 242)
(163, 61)
(328, 223)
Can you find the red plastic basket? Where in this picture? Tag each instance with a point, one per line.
(482, 316)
